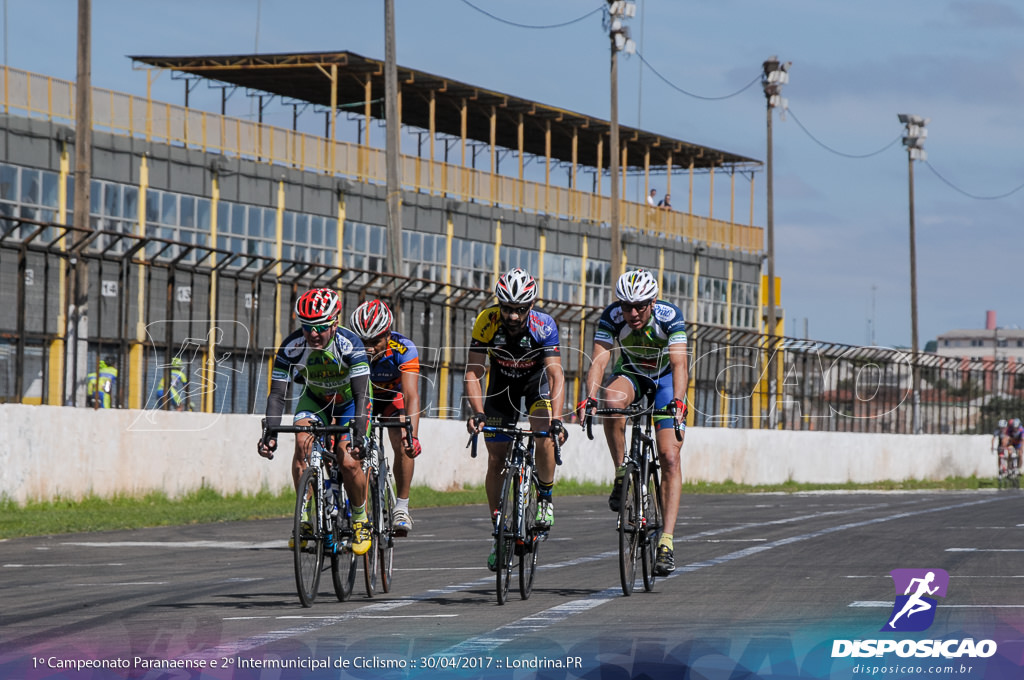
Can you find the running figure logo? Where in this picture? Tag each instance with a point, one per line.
(914, 609)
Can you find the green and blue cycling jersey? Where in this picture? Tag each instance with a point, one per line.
(644, 358)
(335, 380)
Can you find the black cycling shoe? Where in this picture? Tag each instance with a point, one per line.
(614, 500)
(665, 563)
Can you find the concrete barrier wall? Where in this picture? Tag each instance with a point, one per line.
(50, 451)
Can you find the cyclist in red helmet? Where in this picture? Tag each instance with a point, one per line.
(395, 376)
(329, 361)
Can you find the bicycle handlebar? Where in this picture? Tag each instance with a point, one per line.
(516, 432)
(630, 412)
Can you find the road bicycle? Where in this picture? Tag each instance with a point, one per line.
(641, 517)
(322, 523)
(1009, 467)
(515, 527)
(380, 504)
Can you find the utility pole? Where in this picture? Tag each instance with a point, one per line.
(620, 42)
(79, 319)
(392, 141)
(914, 141)
(775, 75)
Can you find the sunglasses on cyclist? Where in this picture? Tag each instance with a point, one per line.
(638, 307)
(317, 328)
(521, 311)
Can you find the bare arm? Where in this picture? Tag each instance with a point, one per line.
(556, 381)
(475, 368)
(680, 373)
(411, 393)
(601, 355)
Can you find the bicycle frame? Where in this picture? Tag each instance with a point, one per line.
(520, 537)
(381, 500)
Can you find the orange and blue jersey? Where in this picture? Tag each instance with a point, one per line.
(386, 369)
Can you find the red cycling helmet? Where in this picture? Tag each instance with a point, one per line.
(317, 306)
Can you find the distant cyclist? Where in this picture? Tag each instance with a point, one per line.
(330, 363)
(999, 434)
(395, 376)
(652, 336)
(525, 364)
(1014, 437)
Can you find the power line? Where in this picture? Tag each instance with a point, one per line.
(840, 153)
(691, 94)
(602, 8)
(968, 194)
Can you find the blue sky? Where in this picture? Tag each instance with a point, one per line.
(841, 194)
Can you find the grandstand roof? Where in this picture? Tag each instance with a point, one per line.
(305, 77)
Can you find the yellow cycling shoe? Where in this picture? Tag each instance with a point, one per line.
(362, 541)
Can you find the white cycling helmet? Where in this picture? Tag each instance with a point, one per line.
(1001, 424)
(636, 286)
(371, 319)
(516, 287)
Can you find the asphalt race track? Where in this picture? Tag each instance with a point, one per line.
(764, 586)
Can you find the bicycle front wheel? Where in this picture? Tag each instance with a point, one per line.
(505, 536)
(652, 529)
(530, 546)
(370, 557)
(385, 537)
(343, 562)
(629, 529)
(308, 549)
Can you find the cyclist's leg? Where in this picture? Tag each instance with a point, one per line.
(501, 409)
(671, 470)
(307, 411)
(538, 400)
(403, 467)
(618, 392)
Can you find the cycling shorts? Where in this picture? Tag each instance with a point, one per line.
(329, 414)
(505, 400)
(661, 389)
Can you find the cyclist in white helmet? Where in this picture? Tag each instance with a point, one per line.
(652, 336)
(522, 343)
(395, 376)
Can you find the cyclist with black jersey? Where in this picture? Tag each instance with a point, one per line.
(525, 364)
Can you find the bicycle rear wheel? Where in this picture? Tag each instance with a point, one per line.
(505, 536)
(343, 562)
(629, 528)
(530, 546)
(308, 550)
(653, 528)
(370, 557)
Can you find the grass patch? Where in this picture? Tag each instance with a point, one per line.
(206, 505)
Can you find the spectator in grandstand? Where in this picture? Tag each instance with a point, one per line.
(651, 335)
(651, 202)
(329, 361)
(666, 203)
(101, 384)
(175, 398)
(395, 377)
(525, 363)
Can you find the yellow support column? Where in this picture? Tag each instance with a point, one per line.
(136, 353)
(723, 408)
(55, 365)
(446, 357)
(542, 245)
(207, 379)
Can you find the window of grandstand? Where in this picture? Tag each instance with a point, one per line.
(599, 283)
(561, 277)
(309, 238)
(364, 246)
(473, 264)
(29, 193)
(246, 229)
(424, 255)
(518, 257)
(744, 305)
(677, 289)
(711, 302)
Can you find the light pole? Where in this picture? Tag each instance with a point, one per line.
(620, 42)
(914, 141)
(775, 75)
(393, 180)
